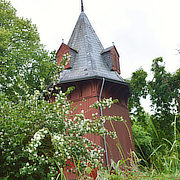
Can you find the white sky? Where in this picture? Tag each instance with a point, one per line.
(141, 29)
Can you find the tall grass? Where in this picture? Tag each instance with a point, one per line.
(164, 162)
(165, 158)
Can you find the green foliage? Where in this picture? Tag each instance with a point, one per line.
(21, 54)
(138, 86)
(139, 90)
(140, 121)
(37, 137)
(165, 158)
(18, 123)
(165, 164)
(156, 136)
(142, 140)
(133, 172)
(164, 92)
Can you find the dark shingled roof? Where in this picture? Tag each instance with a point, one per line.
(89, 62)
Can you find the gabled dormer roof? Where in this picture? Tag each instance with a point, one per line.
(109, 49)
(89, 62)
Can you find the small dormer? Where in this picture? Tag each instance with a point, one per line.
(65, 49)
(111, 58)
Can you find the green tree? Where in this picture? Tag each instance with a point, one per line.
(22, 56)
(138, 84)
(164, 91)
(140, 119)
(151, 131)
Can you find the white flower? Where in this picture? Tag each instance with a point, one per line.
(37, 137)
(46, 131)
(29, 150)
(56, 137)
(35, 145)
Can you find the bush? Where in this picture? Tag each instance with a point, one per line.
(38, 138)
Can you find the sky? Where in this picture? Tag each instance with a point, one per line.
(141, 30)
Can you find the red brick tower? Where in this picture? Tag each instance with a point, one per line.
(95, 73)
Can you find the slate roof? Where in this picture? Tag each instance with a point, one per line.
(89, 62)
(107, 49)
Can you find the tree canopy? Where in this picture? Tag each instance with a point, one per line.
(22, 56)
(163, 91)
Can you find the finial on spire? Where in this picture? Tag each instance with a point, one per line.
(82, 6)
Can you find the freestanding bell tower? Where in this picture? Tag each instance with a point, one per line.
(95, 73)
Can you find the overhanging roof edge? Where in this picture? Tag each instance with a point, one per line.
(93, 77)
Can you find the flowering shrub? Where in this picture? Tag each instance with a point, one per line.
(104, 103)
(18, 124)
(38, 138)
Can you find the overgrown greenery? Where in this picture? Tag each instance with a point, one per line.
(156, 135)
(38, 138)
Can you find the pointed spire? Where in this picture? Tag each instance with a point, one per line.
(82, 6)
(87, 59)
